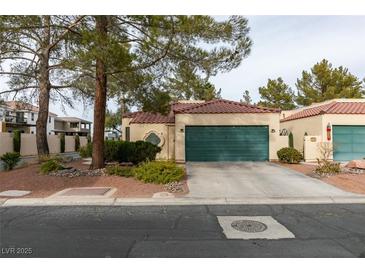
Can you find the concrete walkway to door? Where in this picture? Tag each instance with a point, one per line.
(254, 180)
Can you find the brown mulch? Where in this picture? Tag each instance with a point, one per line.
(28, 178)
(346, 181)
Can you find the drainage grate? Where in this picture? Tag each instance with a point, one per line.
(249, 226)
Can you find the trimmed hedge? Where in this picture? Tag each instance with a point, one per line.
(135, 152)
(289, 155)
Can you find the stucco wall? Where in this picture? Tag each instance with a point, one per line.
(6, 142)
(69, 143)
(311, 125)
(341, 120)
(83, 141)
(28, 145)
(270, 119)
(54, 144)
(141, 131)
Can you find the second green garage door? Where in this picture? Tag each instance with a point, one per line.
(226, 143)
(349, 142)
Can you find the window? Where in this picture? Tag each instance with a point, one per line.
(32, 117)
(127, 134)
(74, 125)
(153, 139)
(49, 119)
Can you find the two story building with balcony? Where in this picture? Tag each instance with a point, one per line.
(22, 116)
(72, 126)
(15, 115)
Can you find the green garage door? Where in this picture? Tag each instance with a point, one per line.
(349, 142)
(227, 143)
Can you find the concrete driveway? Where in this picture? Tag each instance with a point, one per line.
(254, 180)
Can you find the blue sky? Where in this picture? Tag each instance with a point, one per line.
(284, 46)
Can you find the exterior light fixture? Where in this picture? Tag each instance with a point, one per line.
(329, 129)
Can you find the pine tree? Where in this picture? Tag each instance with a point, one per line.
(324, 82)
(246, 97)
(277, 94)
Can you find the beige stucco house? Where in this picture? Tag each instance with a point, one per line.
(339, 122)
(216, 130)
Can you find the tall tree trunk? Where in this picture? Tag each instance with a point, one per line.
(100, 96)
(44, 90)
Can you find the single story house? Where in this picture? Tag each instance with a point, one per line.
(340, 122)
(216, 130)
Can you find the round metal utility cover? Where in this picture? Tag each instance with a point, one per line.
(249, 226)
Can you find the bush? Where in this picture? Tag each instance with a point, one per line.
(289, 155)
(16, 140)
(51, 165)
(62, 142)
(10, 159)
(159, 172)
(135, 152)
(143, 151)
(86, 151)
(77, 142)
(120, 171)
(326, 168)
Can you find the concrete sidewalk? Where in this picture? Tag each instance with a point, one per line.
(179, 201)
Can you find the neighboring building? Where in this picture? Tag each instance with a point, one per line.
(22, 116)
(216, 130)
(340, 122)
(72, 126)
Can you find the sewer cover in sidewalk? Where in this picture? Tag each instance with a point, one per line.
(14, 193)
(248, 226)
(86, 191)
(253, 227)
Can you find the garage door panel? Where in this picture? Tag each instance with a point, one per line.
(226, 143)
(349, 142)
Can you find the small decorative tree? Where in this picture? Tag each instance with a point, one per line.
(291, 140)
(77, 142)
(16, 140)
(325, 166)
(62, 142)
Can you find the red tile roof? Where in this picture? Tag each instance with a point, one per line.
(18, 105)
(211, 107)
(330, 108)
(225, 106)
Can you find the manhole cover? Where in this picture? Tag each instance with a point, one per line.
(249, 226)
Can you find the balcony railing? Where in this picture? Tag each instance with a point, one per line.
(14, 119)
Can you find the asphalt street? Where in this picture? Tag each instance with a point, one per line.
(336, 230)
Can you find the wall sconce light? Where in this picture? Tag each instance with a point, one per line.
(273, 130)
(181, 130)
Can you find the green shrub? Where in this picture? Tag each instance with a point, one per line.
(159, 172)
(135, 152)
(326, 168)
(10, 159)
(16, 140)
(86, 151)
(77, 142)
(291, 140)
(62, 142)
(289, 155)
(88, 138)
(120, 171)
(51, 165)
(143, 151)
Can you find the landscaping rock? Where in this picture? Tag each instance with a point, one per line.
(175, 187)
(74, 172)
(359, 164)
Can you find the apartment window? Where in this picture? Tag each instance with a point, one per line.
(127, 134)
(74, 125)
(32, 117)
(49, 119)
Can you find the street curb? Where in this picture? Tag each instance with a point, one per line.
(67, 201)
